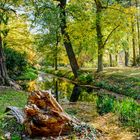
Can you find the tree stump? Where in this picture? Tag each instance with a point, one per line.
(45, 117)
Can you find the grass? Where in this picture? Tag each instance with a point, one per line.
(10, 97)
(120, 80)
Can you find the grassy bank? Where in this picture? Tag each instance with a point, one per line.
(10, 97)
(125, 81)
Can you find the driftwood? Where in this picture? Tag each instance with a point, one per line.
(43, 116)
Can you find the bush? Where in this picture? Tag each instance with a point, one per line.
(16, 62)
(128, 112)
(85, 78)
(105, 104)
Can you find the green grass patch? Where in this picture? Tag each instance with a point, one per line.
(11, 97)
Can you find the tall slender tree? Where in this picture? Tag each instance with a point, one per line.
(66, 38)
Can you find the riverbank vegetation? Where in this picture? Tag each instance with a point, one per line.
(83, 51)
(123, 81)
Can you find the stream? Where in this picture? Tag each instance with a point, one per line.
(66, 91)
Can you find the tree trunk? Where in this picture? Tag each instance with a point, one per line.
(66, 39)
(4, 79)
(133, 44)
(116, 59)
(56, 54)
(126, 58)
(99, 36)
(138, 27)
(110, 58)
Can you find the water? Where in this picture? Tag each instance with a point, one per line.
(64, 90)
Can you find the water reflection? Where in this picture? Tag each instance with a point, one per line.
(56, 91)
(66, 91)
(75, 93)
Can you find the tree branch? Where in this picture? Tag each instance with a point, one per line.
(110, 35)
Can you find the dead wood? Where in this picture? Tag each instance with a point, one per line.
(45, 117)
(17, 113)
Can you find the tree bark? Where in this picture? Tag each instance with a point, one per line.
(4, 79)
(138, 27)
(133, 45)
(56, 54)
(116, 59)
(110, 58)
(126, 58)
(56, 91)
(66, 39)
(99, 36)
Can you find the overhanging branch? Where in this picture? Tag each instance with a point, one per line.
(110, 35)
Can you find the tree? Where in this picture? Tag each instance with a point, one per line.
(99, 35)
(4, 9)
(100, 42)
(66, 39)
(138, 25)
(57, 10)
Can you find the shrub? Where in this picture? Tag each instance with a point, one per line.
(85, 78)
(16, 62)
(128, 112)
(105, 104)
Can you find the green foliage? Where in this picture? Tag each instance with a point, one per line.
(129, 112)
(85, 131)
(29, 74)
(85, 78)
(105, 104)
(15, 62)
(11, 126)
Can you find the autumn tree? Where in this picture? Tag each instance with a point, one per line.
(58, 9)
(4, 16)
